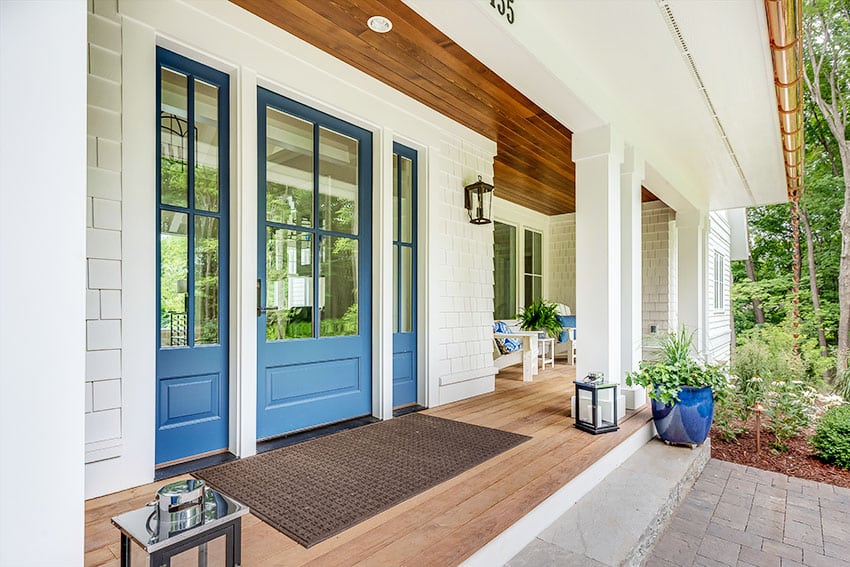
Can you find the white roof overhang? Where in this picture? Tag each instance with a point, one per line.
(687, 83)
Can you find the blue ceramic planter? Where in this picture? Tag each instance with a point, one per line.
(688, 421)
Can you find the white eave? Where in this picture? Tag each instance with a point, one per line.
(711, 139)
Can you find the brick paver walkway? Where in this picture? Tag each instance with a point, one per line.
(737, 515)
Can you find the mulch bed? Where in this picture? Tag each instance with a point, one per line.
(799, 461)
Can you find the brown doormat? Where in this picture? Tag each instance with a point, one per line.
(316, 489)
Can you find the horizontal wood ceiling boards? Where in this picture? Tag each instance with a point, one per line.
(532, 167)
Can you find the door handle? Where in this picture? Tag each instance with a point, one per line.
(260, 308)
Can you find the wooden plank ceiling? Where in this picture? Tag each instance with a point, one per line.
(532, 168)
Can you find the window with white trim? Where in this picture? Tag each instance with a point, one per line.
(533, 272)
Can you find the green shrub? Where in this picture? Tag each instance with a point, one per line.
(788, 405)
(832, 437)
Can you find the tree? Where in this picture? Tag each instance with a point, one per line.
(827, 51)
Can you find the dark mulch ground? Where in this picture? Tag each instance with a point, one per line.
(798, 461)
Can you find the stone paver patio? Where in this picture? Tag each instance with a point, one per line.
(742, 516)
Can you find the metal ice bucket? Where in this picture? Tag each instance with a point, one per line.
(179, 506)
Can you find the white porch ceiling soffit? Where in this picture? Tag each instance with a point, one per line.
(689, 83)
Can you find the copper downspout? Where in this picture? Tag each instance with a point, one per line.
(785, 28)
(785, 25)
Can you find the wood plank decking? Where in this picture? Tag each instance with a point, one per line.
(446, 524)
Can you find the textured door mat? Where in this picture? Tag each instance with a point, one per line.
(321, 487)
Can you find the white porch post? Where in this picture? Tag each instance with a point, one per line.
(631, 178)
(597, 154)
(691, 235)
(42, 281)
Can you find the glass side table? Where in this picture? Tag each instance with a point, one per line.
(596, 406)
(162, 540)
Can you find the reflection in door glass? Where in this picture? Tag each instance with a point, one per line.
(206, 146)
(173, 290)
(338, 286)
(406, 290)
(338, 186)
(206, 280)
(406, 200)
(395, 287)
(289, 169)
(174, 139)
(289, 284)
(395, 197)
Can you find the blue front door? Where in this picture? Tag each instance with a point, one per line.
(192, 188)
(404, 278)
(314, 268)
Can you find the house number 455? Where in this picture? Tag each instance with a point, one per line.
(505, 8)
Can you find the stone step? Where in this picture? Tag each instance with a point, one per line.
(617, 522)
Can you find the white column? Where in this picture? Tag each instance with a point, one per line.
(597, 154)
(243, 244)
(631, 178)
(382, 284)
(691, 241)
(42, 281)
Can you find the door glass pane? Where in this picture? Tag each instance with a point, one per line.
(396, 248)
(174, 270)
(338, 184)
(395, 197)
(206, 280)
(174, 139)
(406, 200)
(406, 290)
(289, 169)
(289, 284)
(206, 146)
(504, 271)
(338, 286)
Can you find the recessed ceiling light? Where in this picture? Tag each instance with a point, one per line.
(379, 24)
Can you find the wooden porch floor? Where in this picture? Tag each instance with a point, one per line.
(447, 523)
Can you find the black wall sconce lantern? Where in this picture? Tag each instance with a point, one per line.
(478, 200)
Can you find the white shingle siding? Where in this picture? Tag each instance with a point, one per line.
(658, 257)
(464, 270)
(103, 237)
(718, 323)
(562, 260)
(659, 270)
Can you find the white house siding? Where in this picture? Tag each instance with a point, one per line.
(659, 265)
(103, 234)
(455, 262)
(718, 324)
(562, 247)
(659, 271)
(464, 279)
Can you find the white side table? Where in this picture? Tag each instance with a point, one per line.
(547, 352)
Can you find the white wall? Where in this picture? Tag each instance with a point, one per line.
(464, 278)
(455, 256)
(42, 274)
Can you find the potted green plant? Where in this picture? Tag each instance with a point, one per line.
(682, 390)
(540, 315)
